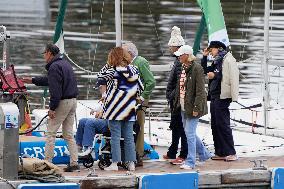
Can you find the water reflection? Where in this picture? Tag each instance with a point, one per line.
(28, 12)
(148, 25)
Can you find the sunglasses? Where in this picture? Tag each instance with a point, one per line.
(44, 52)
(209, 49)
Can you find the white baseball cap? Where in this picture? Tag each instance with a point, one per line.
(185, 49)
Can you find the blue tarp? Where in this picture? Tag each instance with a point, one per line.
(49, 185)
(169, 181)
(36, 149)
(277, 179)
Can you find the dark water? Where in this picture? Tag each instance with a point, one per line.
(148, 24)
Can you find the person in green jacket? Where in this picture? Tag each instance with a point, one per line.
(149, 83)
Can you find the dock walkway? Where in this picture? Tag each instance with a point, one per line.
(212, 174)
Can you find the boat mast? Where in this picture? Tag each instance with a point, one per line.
(117, 23)
(265, 64)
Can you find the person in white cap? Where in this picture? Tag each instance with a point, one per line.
(191, 99)
(175, 42)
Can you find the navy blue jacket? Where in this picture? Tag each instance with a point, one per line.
(214, 85)
(60, 79)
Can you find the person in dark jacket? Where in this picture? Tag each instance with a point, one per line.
(191, 99)
(176, 125)
(62, 106)
(223, 77)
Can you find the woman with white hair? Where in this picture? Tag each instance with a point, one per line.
(149, 84)
(191, 99)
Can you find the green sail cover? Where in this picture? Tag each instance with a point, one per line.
(198, 35)
(58, 35)
(215, 22)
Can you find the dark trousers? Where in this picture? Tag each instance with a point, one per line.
(220, 125)
(177, 133)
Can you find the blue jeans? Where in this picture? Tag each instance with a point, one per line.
(88, 128)
(193, 141)
(124, 128)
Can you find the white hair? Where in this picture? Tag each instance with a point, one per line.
(191, 58)
(131, 48)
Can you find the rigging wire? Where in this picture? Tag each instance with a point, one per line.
(99, 31)
(96, 46)
(157, 34)
(184, 29)
(244, 13)
(89, 51)
(122, 10)
(79, 67)
(248, 25)
(272, 9)
(278, 86)
(277, 67)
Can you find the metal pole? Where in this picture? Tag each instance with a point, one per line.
(9, 123)
(117, 23)
(265, 64)
(4, 48)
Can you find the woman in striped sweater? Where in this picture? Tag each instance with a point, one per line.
(123, 89)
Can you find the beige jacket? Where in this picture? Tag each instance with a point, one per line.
(230, 78)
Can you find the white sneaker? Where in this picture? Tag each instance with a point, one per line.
(131, 166)
(199, 163)
(184, 166)
(112, 167)
(86, 152)
(79, 148)
(66, 152)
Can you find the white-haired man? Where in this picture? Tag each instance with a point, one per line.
(149, 84)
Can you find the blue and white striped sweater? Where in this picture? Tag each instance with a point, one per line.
(123, 87)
